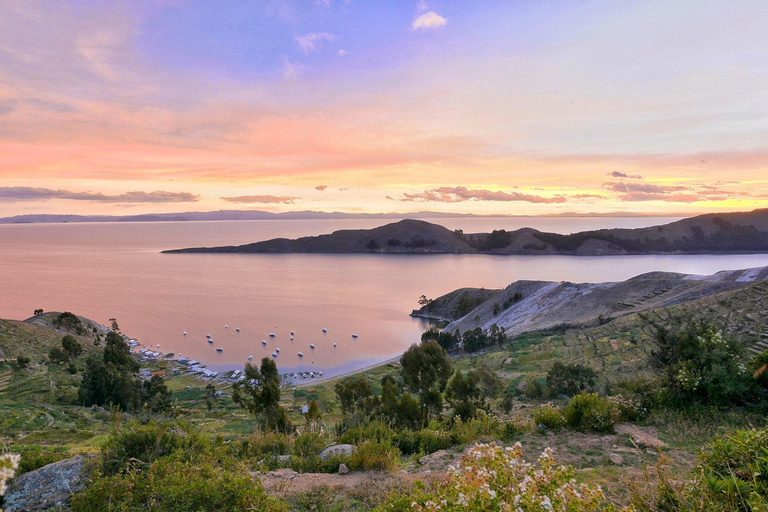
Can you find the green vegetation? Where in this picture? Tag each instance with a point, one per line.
(181, 443)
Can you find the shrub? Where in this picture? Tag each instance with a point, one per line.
(374, 455)
(369, 431)
(517, 426)
(570, 379)
(423, 441)
(9, 462)
(139, 445)
(758, 367)
(701, 364)
(734, 471)
(33, 458)
(549, 416)
(172, 484)
(270, 443)
(590, 410)
(23, 361)
(483, 426)
(57, 355)
(491, 477)
(630, 409)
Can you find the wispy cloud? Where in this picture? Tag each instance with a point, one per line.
(261, 199)
(461, 194)
(643, 188)
(45, 194)
(310, 42)
(428, 20)
(618, 174)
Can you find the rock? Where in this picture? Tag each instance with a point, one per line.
(337, 449)
(283, 473)
(343, 469)
(48, 487)
(436, 460)
(284, 458)
(616, 459)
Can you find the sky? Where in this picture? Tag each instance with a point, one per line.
(516, 107)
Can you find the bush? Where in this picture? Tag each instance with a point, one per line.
(141, 444)
(483, 426)
(570, 379)
(57, 355)
(423, 441)
(268, 444)
(630, 409)
(549, 416)
(701, 365)
(374, 455)
(734, 471)
(23, 361)
(369, 431)
(172, 484)
(491, 477)
(33, 458)
(517, 426)
(590, 410)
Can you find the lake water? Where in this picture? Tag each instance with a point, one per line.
(116, 270)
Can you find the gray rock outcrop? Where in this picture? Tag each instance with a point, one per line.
(47, 487)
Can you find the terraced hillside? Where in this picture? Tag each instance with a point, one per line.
(542, 306)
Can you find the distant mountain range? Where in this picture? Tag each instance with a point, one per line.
(264, 215)
(704, 234)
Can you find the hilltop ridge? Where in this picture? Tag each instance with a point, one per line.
(703, 234)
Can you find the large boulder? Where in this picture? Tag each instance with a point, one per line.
(47, 487)
(337, 449)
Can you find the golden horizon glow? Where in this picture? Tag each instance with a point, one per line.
(519, 110)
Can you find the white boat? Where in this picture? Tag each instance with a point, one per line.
(158, 345)
(301, 355)
(354, 335)
(272, 335)
(291, 338)
(263, 342)
(312, 346)
(237, 329)
(250, 357)
(274, 354)
(277, 350)
(210, 340)
(219, 349)
(292, 333)
(334, 345)
(184, 333)
(207, 335)
(325, 330)
(226, 326)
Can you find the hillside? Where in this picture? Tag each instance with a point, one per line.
(541, 306)
(405, 236)
(705, 234)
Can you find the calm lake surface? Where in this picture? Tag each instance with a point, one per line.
(106, 270)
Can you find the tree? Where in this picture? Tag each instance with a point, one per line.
(259, 394)
(570, 379)
(38, 312)
(424, 301)
(462, 393)
(210, 396)
(57, 355)
(22, 361)
(113, 323)
(487, 382)
(155, 395)
(118, 353)
(313, 413)
(355, 395)
(71, 346)
(109, 384)
(426, 369)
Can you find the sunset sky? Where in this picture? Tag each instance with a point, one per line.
(489, 107)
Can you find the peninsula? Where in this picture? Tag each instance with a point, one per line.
(704, 234)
